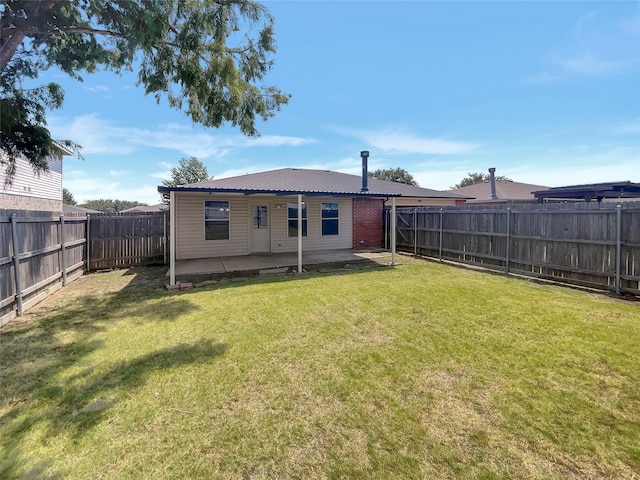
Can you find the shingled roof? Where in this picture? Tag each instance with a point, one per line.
(289, 181)
(506, 190)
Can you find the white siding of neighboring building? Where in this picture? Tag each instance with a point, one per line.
(190, 225)
(31, 191)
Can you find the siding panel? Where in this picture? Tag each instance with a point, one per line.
(190, 226)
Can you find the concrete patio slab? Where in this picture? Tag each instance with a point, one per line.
(247, 263)
(199, 266)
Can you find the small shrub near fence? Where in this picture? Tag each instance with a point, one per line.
(594, 245)
(41, 252)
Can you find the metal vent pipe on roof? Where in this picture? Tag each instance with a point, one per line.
(364, 154)
(492, 180)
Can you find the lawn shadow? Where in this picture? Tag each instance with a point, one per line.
(58, 333)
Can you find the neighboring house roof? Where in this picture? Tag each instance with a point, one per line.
(77, 209)
(158, 207)
(597, 191)
(62, 149)
(506, 191)
(289, 181)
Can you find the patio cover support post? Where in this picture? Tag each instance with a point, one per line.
(393, 231)
(299, 233)
(172, 238)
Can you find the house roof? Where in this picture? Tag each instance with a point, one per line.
(591, 191)
(158, 207)
(290, 181)
(505, 191)
(76, 209)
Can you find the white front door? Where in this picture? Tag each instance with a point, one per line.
(260, 228)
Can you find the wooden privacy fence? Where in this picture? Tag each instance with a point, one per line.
(126, 240)
(40, 254)
(576, 244)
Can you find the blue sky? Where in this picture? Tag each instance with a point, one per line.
(546, 92)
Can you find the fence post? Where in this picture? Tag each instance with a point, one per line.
(88, 243)
(440, 246)
(508, 254)
(618, 248)
(164, 236)
(63, 263)
(16, 264)
(415, 233)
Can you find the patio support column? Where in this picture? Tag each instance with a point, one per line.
(172, 238)
(393, 231)
(299, 233)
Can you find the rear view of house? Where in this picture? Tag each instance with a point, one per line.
(285, 210)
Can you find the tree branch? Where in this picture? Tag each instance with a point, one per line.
(91, 31)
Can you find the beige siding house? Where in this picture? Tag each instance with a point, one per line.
(260, 213)
(32, 191)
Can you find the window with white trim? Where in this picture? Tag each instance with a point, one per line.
(216, 220)
(292, 209)
(329, 218)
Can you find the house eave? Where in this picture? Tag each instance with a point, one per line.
(308, 193)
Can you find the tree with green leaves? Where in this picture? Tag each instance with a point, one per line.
(208, 58)
(399, 175)
(477, 177)
(189, 170)
(68, 198)
(107, 205)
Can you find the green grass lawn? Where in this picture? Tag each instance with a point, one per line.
(419, 371)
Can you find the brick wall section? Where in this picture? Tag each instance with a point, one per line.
(367, 222)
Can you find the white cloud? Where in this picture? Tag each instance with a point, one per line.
(163, 174)
(99, 135)
(589, 64)
(85, 188)
(580, 164)
(96, 88)
(632, 127)
(597, 48)
(396, 141)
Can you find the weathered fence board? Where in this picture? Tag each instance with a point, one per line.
(127, 240)
(39, 254)
(578, 244)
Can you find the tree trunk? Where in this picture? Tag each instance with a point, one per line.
(9, 48)
(22, 29)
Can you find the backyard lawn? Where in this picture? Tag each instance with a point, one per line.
(423, 370)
